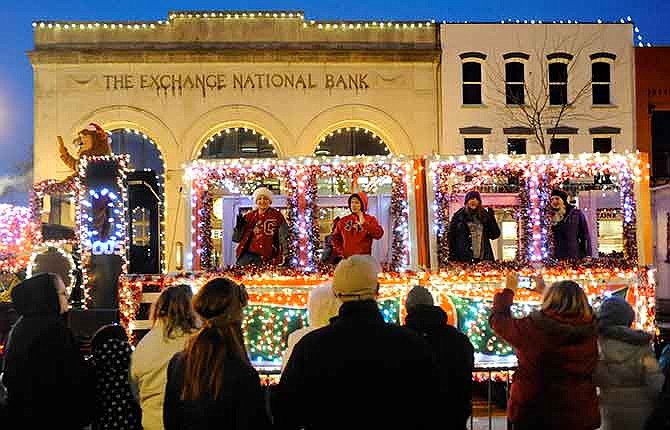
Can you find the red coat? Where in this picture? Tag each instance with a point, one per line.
(261, 234)
(557, 357)
(351, 238)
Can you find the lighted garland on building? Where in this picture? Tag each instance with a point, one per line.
(480, 172)
(624, 168)
(301, 188)
(206, 175)
(539, 174)
(400, 171)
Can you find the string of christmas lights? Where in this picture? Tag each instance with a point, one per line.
(115, 198)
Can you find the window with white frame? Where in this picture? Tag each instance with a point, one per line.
(472, 83)
(558, 78)
(471, 75)
(515, 79)
(558, 84)
(600, 82)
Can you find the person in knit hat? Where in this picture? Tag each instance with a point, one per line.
(354, 357)
(569, 228)
(264, 233)
(471, 230)
(627, 373)
(355, 232)
(454, 354)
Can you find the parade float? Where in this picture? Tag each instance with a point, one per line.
(413, 198)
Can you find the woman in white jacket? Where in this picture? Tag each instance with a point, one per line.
(173, 323)
(322, 305)
(627, 374)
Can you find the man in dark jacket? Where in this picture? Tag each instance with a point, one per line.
(470, 231)
(45, 373)
(358, 372)
(453, 352)
(569, 228)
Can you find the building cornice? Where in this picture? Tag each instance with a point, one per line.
(231, 54)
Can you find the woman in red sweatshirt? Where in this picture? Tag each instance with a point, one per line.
(354, 233)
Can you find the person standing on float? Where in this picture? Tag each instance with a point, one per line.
(264, 233)
(354, 233)
(471, 230)
(569, 228)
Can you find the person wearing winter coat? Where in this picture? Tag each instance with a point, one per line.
(116, 408)
(212, 384)
(557, 351)
(322, 305)
(628, 375)
(358, 372)
(44, 371)
(354, 233)
(453, 352)
(330, 255)
(173, 322)
(264, 233)
(471, 230)
(569, 228)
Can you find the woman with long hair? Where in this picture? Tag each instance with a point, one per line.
(173, 323)
(211, 384)
(557, 351)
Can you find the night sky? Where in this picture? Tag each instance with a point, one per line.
(16, 92)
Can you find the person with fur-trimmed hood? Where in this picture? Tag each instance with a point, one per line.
(471, 230)
(627, 374)
(354, 233)
(569, 228)
(264, 233)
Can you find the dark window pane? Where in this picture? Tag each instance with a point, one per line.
(514, 72)
(350, 142)
(558, 94)
(472, 72)
(472, 94)
(474, 146)
(514, 94)
(560, 146)
(601, 72)
(601, 94)
(558, 72)
(238, 143)
(516, 146)
(602, 145)
(660, 145)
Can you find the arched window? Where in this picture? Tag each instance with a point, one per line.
(144, 154)
(238, 142)
(147, 179)
(351, 141)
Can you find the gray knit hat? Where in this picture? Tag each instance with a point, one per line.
(615, 311)
(418, 296)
